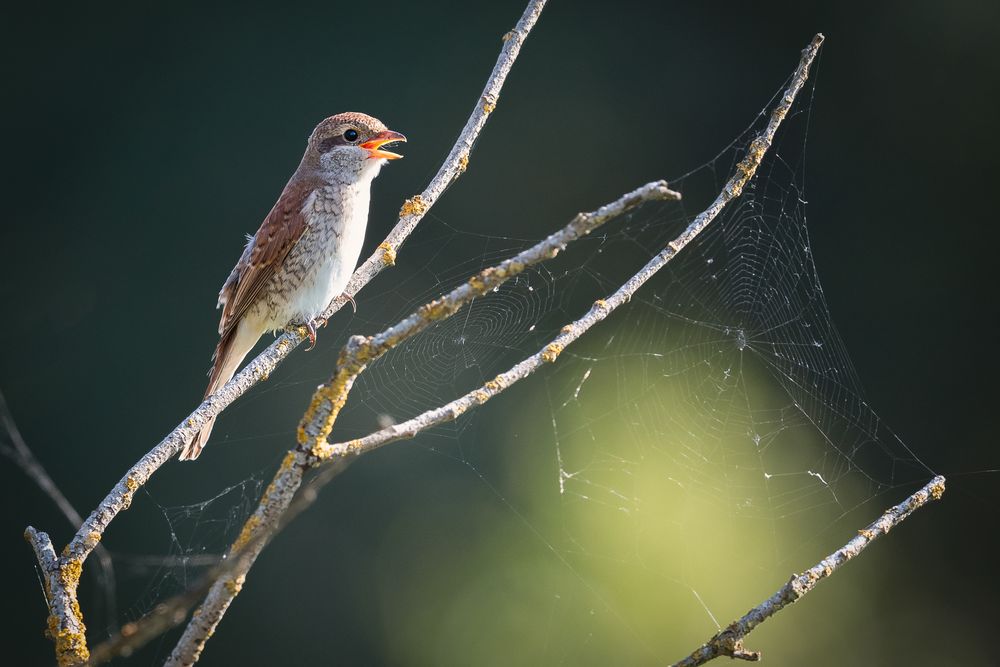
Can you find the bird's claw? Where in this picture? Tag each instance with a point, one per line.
(311, 326)
(311, 332)
(350, 300)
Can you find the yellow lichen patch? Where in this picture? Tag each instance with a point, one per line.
(551, 352)
(131, 484)
(388, 253)
(477, 283)
(489, 107)
(335, 394)
(436, 310)
(937, 489)
(415, 205)
(321, 451)
(507, 35)
(317, 400)
(246, 533)
(481, 396)
(329, 398)
(568, 329)
(286, 465)
(463, 163)
(69, 633)
(71, 647)
(601, 303)
(496, 385)
(234, 586)
(69, 574)
(867, 534)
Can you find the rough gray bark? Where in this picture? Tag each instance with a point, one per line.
(729, 641)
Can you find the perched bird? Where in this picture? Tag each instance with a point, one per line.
(306, 249)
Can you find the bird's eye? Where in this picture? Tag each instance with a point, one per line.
(351, 135)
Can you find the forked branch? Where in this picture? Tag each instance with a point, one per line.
(313, 450)
(64, 610)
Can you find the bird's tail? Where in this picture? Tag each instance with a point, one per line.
(229, 354)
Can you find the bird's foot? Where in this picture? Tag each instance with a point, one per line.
(350, 300)
(311, 327)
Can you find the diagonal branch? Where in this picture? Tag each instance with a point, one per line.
(313, 450)
(745, 170)
(314, 429)
(173, 611)
(729, 642)
(19, 452)
(22, 456)
(92, 529)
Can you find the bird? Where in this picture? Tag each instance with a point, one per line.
(305, 250)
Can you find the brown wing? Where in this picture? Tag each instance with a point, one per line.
(280, 230)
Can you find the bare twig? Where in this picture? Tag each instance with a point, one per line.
(729, 642)
(120, 497)
(314, 450)
(18, 451)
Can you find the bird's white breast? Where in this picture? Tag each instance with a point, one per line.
(336, 232)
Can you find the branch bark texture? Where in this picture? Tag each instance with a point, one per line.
(729, 641)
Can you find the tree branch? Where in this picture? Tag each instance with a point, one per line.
(314, 450)
(172, 612)
(19, 452)
(65, 624)
(729, 642)
(120, 497)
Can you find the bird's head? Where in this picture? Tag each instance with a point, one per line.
(350, 145)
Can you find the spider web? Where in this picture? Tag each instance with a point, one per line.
(713, 424)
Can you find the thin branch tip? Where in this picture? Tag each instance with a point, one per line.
(729, 641)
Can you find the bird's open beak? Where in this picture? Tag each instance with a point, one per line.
(374, 145)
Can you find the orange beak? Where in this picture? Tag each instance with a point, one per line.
(374, 145)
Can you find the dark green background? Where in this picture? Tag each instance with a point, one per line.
(141, 142)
